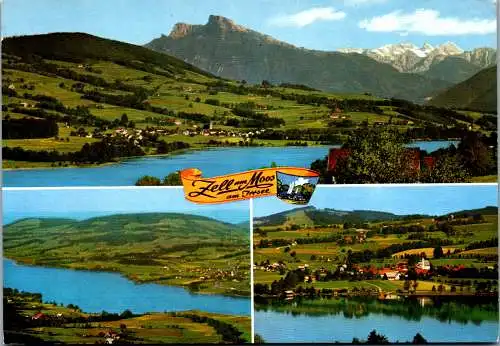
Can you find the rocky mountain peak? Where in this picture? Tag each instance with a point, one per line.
(224, 24)
(180, 30)
(449, 48)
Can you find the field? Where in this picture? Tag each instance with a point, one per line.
(296, 242)
(110, 79)
(70, 325)
(162, 248)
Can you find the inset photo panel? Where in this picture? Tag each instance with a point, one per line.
(124, 265)
(378, 264)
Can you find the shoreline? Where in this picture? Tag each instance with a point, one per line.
(193, 149)
(137, 282)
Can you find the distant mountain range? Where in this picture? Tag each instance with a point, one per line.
(476, 93)
(447, 61)
(229, 50)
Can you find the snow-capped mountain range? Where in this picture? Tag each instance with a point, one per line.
(407, 57)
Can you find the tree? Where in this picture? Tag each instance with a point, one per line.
(406, 285)
(266, 84)
(127, 314)
(475, 154)
(447, 169)
(173, 179)
(124, 119)
(438, 252)
(418, 339)
(148, 180)
(258, 339)
(375, 156)
(376, 339)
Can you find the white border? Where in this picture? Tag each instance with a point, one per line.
(252, 320)
(133, 187)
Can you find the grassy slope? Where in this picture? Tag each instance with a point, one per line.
(165, 248)
(478, 92)
(328, 255)
(149, 328)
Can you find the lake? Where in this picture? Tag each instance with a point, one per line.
(212, 162)
(98, 291)
(287, 327)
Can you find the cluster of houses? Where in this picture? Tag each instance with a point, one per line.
(221, 133)
(217, 274)
(359, 237)
(395, 272)
(272, 267)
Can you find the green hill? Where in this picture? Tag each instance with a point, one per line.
(478, 93)
(169, 248)
(452, 69)
(312, 216)
(82, 47)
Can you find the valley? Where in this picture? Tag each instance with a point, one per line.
(91, 108)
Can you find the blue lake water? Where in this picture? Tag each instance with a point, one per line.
(211, 162)
(281, 327)
(98, 291)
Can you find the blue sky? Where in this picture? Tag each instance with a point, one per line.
(85, 203)
(314, 24)
(401, 200)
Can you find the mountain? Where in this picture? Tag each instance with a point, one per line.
(477, 93)
(313, 216)
(156, 225)
(446, 62)
(453, 69)
(231, 51)
(81, 47)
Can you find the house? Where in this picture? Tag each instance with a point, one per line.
(348, 239)
(38, 316)
(335, 155)
(391, 274)
(415, 161)
(423, 265)
(361, 235)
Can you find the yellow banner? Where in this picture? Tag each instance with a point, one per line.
(291, 184)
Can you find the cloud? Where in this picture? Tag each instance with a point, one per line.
(363, 2)
(307, 17)
(429, 23)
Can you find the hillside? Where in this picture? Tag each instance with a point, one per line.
(168, 248)
(70, 325)
(477, 93)
(232, 51)
(312, 216)
(81, 47)
(452, 69)
(72, 99)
